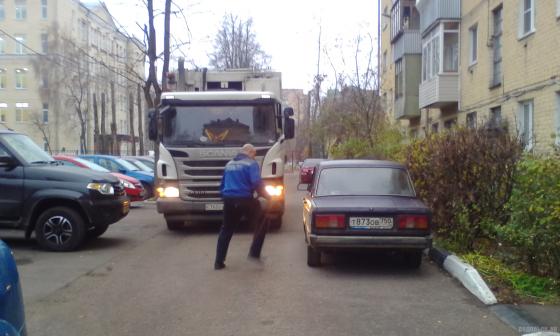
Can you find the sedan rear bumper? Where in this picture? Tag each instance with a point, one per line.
(370, 242)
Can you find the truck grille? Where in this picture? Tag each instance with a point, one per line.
(200, 179)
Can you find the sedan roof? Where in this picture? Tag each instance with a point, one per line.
(360, 163)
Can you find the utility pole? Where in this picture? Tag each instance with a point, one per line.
(140, 121)
(114, 147)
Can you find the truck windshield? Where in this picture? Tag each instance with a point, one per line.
(216, 126)
(27, 149)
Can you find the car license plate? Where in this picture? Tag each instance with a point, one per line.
(214, 207)
(125, 207)
(367, 223)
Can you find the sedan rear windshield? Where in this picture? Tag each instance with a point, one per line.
(362, 181)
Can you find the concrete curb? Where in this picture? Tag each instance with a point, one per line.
(465, 273)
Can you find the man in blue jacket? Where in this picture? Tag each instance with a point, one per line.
(241, 180)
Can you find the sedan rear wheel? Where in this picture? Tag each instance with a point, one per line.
(313, 257)
(60, 229)
(413, 259)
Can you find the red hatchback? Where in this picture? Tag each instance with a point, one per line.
(133, 187)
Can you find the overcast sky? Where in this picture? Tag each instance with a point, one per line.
(287, 30)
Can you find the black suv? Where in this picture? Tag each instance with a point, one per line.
(63, 205)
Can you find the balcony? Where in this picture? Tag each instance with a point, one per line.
(406, 103)
(408, 43)
(431, 11)
(439, 91)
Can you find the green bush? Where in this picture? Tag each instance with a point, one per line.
(534, 207)
(465, 177)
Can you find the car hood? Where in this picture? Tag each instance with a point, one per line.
(369, 203)
(67, 174)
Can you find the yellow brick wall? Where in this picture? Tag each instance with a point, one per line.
(531, 65)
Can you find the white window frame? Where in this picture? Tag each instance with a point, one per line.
(521, 122)
(21, 10)
(44, 9)
(45, 112)
(2, 45)
(521, 24)
(2, 10)
(473, 44)
(20, 45)
(558, 9)
(21, 78)
(3, 78)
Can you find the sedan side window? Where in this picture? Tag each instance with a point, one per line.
(105, 164)
(3, 151)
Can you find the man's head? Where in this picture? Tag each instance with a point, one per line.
(249, 150)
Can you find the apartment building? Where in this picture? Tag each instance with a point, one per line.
(56, 58)
(483, 62)
(386, 65)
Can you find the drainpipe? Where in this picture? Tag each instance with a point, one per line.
(204, 70)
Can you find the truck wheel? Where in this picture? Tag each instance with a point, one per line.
(173, 225)
(97, 231)
(413, 259)
(60, 229)
(275, 224)
(313, 257)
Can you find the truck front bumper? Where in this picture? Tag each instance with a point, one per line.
(177, 209)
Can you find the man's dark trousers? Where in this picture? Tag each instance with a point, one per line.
(234, 210)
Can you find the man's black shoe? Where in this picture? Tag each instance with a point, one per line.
(219, 266)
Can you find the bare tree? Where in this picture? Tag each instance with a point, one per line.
(42, 125)
(236, 46)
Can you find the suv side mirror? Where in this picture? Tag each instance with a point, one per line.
(152, 125)
(289, 123)
(7, 161)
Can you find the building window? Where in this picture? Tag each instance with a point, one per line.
(20, 45)
(384, 61)
(44, 79)
(525, 120)
(21, 10)
(557, 119)
(430, 56)
(451, 47)
(471, 120)
(399, 80)
(3, 113)
(497, 46)
(527, 18)
(473, 37)
(45, 43)
(45, 113)
(2, 78)
(2, 45)
(435, 127)
(2, 11)
(21, 112)
(450, 123)
(557, 8)
(495, 117)
(21, 78)
(44, 9)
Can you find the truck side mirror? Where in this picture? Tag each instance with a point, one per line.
(289, 123)
(7, 162)
(152, 125)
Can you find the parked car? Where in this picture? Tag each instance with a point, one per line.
(118, 165)
(138, 163)
(62, 205)
(12, 315)
(148, 161)
(307, 167)
(364, 204)
(133, 188)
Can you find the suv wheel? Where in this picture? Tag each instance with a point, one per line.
(60, 229)
(98, 230)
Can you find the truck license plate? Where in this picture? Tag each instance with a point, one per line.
(214, 207)
(371, 223)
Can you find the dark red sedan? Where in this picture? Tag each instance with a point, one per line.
(133, 188)
(364, 204)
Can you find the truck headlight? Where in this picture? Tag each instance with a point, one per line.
(102, 188)
(274, 190)
(168, 192)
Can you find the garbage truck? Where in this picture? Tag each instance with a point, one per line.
(199, 132)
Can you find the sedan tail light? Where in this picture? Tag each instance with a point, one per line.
(330, 222)
(415, 222)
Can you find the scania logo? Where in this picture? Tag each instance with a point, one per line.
(198, 192)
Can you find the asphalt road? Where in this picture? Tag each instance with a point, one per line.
(140, 279)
